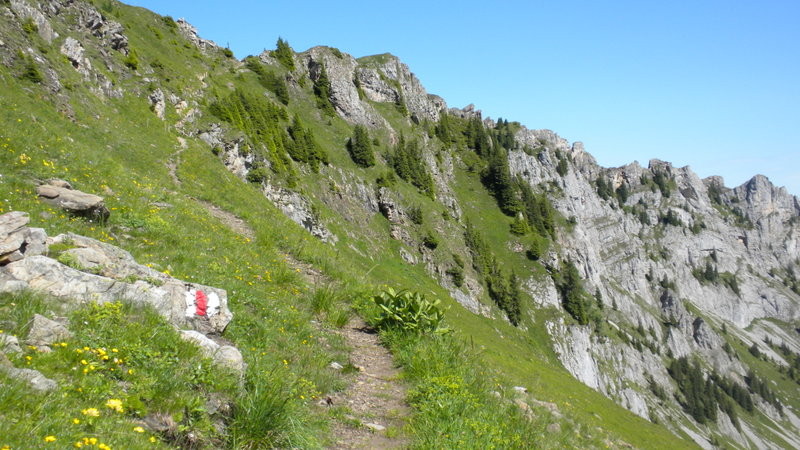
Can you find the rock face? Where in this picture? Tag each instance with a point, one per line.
(60, 193)
(748, 234)
(299, 210)
(190, 32)
(343, 93)
(384, 78)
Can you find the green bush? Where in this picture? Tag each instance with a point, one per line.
(31, 73)
(132, 60)
(430, 240)
(29, 27)
(414, 213)
(408, 311)
(257, 175)
(169, 22)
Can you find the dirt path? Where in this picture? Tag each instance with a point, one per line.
(175, 160)
(375, 402)
(236, 224)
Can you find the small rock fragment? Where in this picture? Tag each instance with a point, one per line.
(374, 426)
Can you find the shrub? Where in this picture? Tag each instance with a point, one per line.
(31, 72)
(414, 213)
(29, 27)
(132, 60)
(409, 312)
(430, 240)
(169, 22)
(257, 175)
(456, 274)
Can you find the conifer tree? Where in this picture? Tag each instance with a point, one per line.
(360, 147)
(284, 54)
(322, 90)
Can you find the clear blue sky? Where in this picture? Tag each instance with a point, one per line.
(710, 84)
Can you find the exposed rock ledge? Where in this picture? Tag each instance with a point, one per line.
(104, 273)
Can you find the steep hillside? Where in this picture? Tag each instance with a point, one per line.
(584, 306)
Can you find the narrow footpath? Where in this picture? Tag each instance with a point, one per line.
(375, 401)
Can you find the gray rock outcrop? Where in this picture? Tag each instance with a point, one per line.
(297, 208)
(17, 240)
(158, 103)
(190, 32)
(9, 344)
(113, 275)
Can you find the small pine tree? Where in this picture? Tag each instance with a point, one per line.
(322, 90)
(360, 147)
(284, 54)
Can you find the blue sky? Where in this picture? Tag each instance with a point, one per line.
(710, 84)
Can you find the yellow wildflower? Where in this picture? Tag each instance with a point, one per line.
(76, 421)
(50, 439)
(115, 404)
(153, 439)
(78, 444)
(91, 412)
(138, 429)
(103, 447)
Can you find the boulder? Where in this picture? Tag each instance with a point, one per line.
(223, 355)
(229, 357)
(58, 193)
(34, 378)
(74, 51)
(46, 332)
(106, 259)
(9, 344)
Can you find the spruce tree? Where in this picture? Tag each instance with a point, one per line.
(322, 90)
(284, 54)
(360, 147)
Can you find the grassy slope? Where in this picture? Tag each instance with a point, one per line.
(104, 150)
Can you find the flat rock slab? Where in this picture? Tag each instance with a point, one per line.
(58, 193)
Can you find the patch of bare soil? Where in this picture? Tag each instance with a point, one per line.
(375, 402)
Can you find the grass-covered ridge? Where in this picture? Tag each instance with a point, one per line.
(159, 192)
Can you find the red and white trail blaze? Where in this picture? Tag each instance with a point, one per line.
(198, 303)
